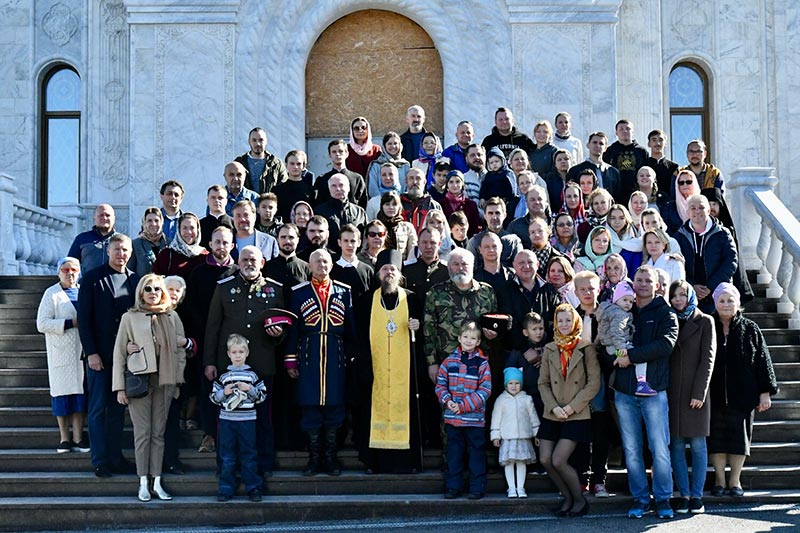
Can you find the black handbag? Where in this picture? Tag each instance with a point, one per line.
(136, 385)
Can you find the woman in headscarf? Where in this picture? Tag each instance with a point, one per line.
(614, 271)
(597, 248)
(646, 183)
(456, 200)
(57, 318)
(742, 382)
(564, 238)
(600, 201)
(573, 204)
(300, 215)
(436, 219)
(362, 151)
(149, 243)
(690, 369)
(624, 239)
(568, 380)
(637, 203)
(560, 275)
(184, 253)
(676, 212)
(557, 179)
(430, 149)
(400, 234)
(392, 153)
(152, 333)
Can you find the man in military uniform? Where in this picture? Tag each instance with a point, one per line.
(319, 346)
(449, 304)
(240, 305)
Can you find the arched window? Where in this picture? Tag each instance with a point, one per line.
(689, 116)
(60, 137)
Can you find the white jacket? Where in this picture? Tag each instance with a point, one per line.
(64, 365)
(514, 417)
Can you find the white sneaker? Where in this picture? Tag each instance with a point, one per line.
(512, 493)
(521, 493)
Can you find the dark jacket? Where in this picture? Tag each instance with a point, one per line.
(743, 367)
(654, 339)
(91, 248)
(719, 258)
(410, 150)
(690, 367)
(200, 289)
(611, 179)
(507, 143)
(240, 306)
(517, 302)
(665, 175)
(358, 188)
(628, 159)
(274, 173)
(100, 309)
(338, 214)
(209, 223)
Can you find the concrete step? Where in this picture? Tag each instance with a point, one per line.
(781, 336)
(30, 283)
(759, 305)
(766, 453)
(47, 437)
(20, 326)
(21, 297)
(776, 431)
(781, 410)
(785, 353)
(27, 360)
(11, 311)
(21, 343)
(787, 371)
(24, 396)
(789, 390)
(769, 320)
(350, 511)
(23, 377)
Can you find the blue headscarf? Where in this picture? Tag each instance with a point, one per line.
(691, 303)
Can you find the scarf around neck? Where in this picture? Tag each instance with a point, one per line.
(566, 343)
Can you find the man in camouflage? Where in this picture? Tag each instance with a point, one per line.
(449, 304)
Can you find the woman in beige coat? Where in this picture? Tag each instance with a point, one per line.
(57, 318)
(568, 380)
(153, 328)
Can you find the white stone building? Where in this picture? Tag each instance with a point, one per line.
(102, 100)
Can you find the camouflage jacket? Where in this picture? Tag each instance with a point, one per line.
(446, 309)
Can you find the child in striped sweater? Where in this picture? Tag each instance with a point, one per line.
(463, 385)
(238, 391)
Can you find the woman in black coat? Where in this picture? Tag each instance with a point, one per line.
(742, 381)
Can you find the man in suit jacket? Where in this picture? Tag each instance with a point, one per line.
(244, 220)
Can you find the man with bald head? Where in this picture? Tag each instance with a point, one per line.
(91, 247)
(240, 304)
(235, 176)
(339, 210)
(357, 193)
(320, 347)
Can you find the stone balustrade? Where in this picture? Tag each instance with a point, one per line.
(32, 239)
(768, 230)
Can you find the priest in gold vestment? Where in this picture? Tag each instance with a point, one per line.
(389, 366)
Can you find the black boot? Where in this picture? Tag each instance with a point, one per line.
(332, 466)
(314, 465)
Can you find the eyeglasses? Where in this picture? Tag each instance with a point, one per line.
(687, 182)
(694, 151)
(376, 233)
(359, 127)
(150, 288)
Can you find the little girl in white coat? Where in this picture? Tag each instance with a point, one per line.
(514, 424)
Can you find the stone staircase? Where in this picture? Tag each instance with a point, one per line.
(34, 477)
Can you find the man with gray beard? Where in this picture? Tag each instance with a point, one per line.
(390, 367)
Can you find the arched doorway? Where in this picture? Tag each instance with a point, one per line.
(373, 63)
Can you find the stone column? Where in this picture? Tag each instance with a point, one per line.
(8, 244)
(565, 60)
(745, 218)
(182, 94)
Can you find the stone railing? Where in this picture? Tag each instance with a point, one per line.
(32, 239)
(769, 237)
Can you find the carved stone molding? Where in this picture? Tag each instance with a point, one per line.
(113, 77)
(59, 24)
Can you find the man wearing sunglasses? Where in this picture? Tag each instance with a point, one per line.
(708, 176)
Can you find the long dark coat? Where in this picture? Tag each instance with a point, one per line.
(690, 367)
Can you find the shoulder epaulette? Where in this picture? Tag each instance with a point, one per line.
(345, 285)
(301, 285)
(225, 280)
(278, 283)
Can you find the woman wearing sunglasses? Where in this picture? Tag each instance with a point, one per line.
(151, 334)
(676, 212)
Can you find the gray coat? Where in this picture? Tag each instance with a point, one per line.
(615, 330)
(690, 368)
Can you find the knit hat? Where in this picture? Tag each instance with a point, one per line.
(622, 289)
(726, 287)
(512, 374)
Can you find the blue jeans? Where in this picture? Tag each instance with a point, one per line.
(654, 410)
(680, 470)
(469, 440)
(237, 440)
(105, 417)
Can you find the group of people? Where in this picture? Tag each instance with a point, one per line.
(418, 296)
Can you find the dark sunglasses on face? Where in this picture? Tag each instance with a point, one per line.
(376, 233)
(152, 289)
(688, 182)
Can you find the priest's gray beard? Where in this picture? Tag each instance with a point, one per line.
(390, 285)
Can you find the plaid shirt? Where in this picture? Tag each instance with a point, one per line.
(466, 379)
